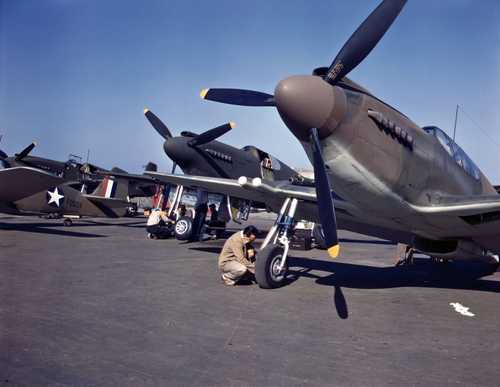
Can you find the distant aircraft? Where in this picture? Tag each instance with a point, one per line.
(109, 200)
(35, 185)
(73, 171)
(392, 178)
(201, 154)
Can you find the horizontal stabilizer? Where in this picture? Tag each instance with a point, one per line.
(109, 202)
(112, 208)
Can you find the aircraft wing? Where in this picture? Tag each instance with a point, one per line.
(127, 176)
(20, 182)
(245, 188)
(463, 206)
(273, 194)
(475, 217)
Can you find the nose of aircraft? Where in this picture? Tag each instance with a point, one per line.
(306, 102)
(176, 150)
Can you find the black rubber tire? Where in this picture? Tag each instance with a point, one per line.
(267, 260)
(319, 237)
(67, 222)
(183, 229)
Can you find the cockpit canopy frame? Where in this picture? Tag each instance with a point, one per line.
(454, 151)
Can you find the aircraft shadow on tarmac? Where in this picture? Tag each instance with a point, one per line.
(46, 228)
(90, 223)
(423, 273)
(367, 241)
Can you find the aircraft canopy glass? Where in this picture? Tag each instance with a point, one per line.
(455, 152)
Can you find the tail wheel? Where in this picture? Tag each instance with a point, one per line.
(67, 222)
(183, 228)
(267, 270)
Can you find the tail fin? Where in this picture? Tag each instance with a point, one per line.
(118, 170)
(112, 188)
(151, 167)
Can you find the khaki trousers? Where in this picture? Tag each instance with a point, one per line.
(232, 271)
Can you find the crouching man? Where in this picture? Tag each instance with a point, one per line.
(159, 226)
(237, 257)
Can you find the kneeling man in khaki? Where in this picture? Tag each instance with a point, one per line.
(238, 256)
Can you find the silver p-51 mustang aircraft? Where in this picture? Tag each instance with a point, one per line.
(392, 178)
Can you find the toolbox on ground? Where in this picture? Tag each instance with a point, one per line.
(301, 240)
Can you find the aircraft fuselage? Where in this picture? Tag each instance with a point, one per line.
(378, 160)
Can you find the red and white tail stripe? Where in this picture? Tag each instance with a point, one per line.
(107, 188)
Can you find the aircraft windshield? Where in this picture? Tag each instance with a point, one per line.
(455, 152)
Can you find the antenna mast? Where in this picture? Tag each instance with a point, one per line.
(456, 120)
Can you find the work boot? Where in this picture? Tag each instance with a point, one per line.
(227, 281)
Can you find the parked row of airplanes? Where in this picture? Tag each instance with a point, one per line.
(376, 172)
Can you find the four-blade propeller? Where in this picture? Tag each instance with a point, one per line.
(197, 139)
(354, 51)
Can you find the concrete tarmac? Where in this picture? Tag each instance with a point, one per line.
(98, 304)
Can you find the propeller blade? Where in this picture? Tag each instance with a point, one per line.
(364, 39)
(212, 134)
(158, 124)
(25, 152)
(174, 165)
(324, 197)
(238, 97)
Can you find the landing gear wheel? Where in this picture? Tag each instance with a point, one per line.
(183, 228)
(67, 222)
(267, 271)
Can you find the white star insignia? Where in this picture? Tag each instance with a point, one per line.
(55, 197)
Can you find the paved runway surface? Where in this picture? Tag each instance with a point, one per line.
(98, 304)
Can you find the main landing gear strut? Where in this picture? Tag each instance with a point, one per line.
(271, 267)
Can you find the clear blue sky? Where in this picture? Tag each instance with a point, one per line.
(76, 74)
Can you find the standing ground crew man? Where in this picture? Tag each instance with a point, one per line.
(238, 256)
